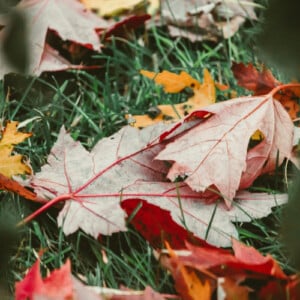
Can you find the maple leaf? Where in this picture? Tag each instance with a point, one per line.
(13, 186)
(122, 167)
(59, 285)
(233, 290)
(231, 273)
(172, 82)
(245, 259)
(123, 26)
(250, 78)
(232, 268)
(187, 283)
(204, 94)
(12, 164)
(164, 229)
(205, 20)
(69, 19)
(52, 61)
(114, 164)
(215, 151)
(110, 7)
(263, 82)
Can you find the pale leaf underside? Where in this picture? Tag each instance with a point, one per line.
(215, 152)
(123, 167)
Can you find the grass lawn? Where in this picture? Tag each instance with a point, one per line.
(92, 105)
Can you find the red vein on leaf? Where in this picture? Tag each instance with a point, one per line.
(98, 215)
(123, 195)
(73, 196)
(117, 162)
(265, 99)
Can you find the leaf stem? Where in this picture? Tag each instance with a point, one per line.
(283, 86)
(43, 208)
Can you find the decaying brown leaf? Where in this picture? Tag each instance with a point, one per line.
(206, 20)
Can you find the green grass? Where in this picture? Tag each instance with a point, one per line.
(92, 106)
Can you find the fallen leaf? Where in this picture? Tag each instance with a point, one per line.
(206, 20)
(235, 291)
(172, 83)
(59, 285)
(255, 261)
(125, 25)
(263, 82)
(187, 283)
(69, 19)
(12, 164)
(289, 100)
(13, 186)
(274, 290)
(109, 8)
(215, 151)
(122, 167)
(164, 229)
(195, 288)
(251, 79)
(246, 261)
(241, 274)
(293, 287)
(123, 156)
(204, 94)
(52, 61)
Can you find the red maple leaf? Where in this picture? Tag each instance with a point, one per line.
(238, 273)
(250, 78)
(59, 285)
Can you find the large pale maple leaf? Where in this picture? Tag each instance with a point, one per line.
(123, 167)
(215, 152)
(68, 18)
(95, 181)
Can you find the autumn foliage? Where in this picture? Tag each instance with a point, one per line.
(178, 173)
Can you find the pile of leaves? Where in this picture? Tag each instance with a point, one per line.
(179, 174)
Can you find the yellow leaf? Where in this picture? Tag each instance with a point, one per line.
(12, 164)
(204, 94)
(257, 136)
(111, 7)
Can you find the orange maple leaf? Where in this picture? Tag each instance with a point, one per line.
(187, 283)
(204, 94)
